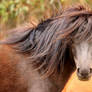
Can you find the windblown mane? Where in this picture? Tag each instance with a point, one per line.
(49, 44)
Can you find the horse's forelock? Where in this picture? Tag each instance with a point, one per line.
(79, 28)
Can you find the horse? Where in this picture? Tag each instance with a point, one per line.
(42, 58)
(75, 85)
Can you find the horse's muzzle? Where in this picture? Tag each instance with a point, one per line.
(84, 74)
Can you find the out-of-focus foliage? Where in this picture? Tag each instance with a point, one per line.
(14, 12)
(10, 9)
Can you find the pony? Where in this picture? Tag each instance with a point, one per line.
(75, 85)
(42, 58)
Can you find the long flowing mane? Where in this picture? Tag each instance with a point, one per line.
(49, 44)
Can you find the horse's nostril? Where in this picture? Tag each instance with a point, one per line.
(78, 70)
(90, 70)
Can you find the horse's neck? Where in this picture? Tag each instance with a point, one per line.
(61, 80)
(29, 77)
(16, 66)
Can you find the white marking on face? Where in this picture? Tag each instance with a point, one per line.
(83, 55)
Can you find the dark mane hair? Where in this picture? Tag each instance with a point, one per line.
(49, 44)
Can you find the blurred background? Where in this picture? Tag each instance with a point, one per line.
(16, 12)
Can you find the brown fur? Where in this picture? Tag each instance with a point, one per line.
(48, 49)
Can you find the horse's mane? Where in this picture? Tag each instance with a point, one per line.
(49, 44)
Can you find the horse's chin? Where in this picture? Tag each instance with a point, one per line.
(82, 78)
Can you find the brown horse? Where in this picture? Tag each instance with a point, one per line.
(41, 59)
